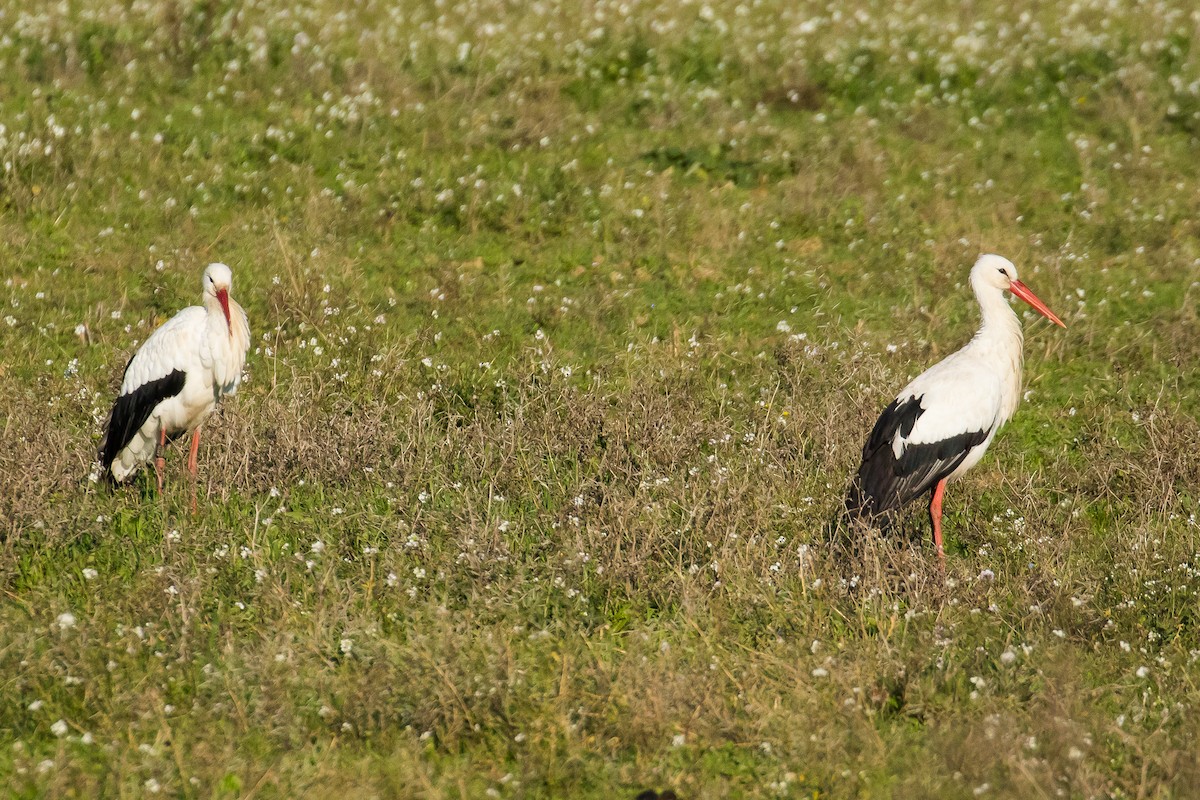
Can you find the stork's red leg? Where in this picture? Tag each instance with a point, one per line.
(159, 462)
(192, 463)
(195, 451)
(935, 514)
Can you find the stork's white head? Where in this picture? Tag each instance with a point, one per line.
(993, 270)
(217, 281)
(993, 273)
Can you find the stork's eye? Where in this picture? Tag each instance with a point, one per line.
(1003, 272)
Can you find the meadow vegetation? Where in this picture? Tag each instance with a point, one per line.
(570, 321)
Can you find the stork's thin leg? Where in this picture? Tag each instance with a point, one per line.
(160, 462)
(195, 452)
(192, 463)
(935, 514)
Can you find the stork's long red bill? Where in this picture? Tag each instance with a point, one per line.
(1022, 291)
(223, 299)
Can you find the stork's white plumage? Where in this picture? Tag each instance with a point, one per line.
(174, 380)
(941, 424)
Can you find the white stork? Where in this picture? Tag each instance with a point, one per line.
(174, 380)
(941, 424)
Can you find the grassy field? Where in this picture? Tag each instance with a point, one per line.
(570, 320)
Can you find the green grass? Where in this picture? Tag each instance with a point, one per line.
(569, 322)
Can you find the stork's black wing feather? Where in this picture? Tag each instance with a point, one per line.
(885, 483)
(131, 410)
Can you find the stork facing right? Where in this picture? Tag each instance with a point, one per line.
(942, 423)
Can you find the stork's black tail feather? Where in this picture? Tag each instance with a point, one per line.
(130, 412)
(845, 529)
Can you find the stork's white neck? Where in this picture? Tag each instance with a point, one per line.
(998, 317)
(1000, 341)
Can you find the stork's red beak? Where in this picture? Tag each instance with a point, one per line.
(1019, 290)
(223, 299)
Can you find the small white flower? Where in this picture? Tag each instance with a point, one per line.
(1142, 672)
(346, 646)
(66, 621)
(820, 672)
(59, 728)
(678, 740)
(89, 573)
(317, 546)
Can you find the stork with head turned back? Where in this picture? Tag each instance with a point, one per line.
(941, 424)
(174, 380)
